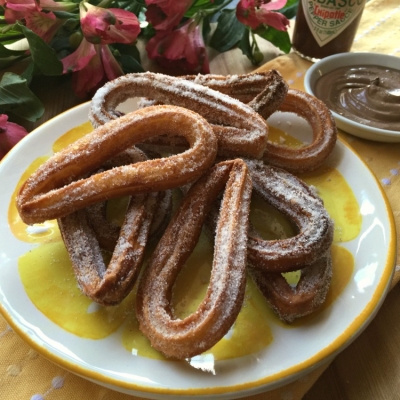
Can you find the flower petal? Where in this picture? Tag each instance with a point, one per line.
(43, 24)
(182, 50)
(87, 80)
(111, 67)
(18, 9)
(10, 134)
(166, 14)
(274, 5)
(246, 13)
(80, 58)
(106, 26)
(274, 19)
(249, 13)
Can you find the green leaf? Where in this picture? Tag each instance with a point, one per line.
(204, 5)
(199, 4)
(8, 34)
(134, 6)
(129, 57)
(148, 32)
(129, 64)
(280, 39)
(60, 43)
(9, 57)
(290, 9)
(245, 46)
(229, 31)
(70, 24)
(29, 73)
(196, 6)
(7, 62)
(17, 98)
(4, 52)
(206, 27)
(66, 15)
(42, 54)
(129, 5)
(127, 49)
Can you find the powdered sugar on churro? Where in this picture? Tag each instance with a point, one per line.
(47, 194)
(296, 200)
(219, 109)
(217, 312)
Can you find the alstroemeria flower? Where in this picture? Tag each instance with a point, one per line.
(181, 51)
(19, 9)
(43, 24)
(255, 12)
(106, 26)
(92, 66)
(10, 134)
(166, 14)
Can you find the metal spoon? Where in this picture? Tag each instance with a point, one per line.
(394, 92)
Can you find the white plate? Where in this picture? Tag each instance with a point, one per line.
(328, 64)
(293, 352)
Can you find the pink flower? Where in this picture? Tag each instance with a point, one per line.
(43, 24)
(255, 12)
(181, 51)
(106, 26)
(165, 15)
(10, 134)
(92, 66)
(19, 9)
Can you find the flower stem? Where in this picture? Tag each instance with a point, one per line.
(104, 3)
(205, 12)
(254, 45)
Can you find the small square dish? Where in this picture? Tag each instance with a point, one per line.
(357, 92)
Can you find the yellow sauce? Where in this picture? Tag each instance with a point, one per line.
(343, 268)
(339, 200)
(336, 193)
(278, 136)
(48, 279)
(72, 135)
(48, 230)
(250, 332)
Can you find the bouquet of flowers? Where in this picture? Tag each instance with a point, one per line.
(96, 41)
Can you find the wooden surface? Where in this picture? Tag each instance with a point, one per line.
(369, 369)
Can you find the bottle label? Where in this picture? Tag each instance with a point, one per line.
(328, 18)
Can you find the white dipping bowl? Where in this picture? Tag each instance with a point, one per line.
(331, 63)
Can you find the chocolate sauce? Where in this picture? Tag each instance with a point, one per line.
(326, 27)
(363, 93)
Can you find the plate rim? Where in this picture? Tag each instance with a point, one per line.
(255, 386)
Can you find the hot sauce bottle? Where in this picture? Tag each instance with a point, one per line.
(326, 27)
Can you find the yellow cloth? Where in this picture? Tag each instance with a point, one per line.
(24, 374)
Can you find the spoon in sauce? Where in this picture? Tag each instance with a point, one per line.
(393, 92)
